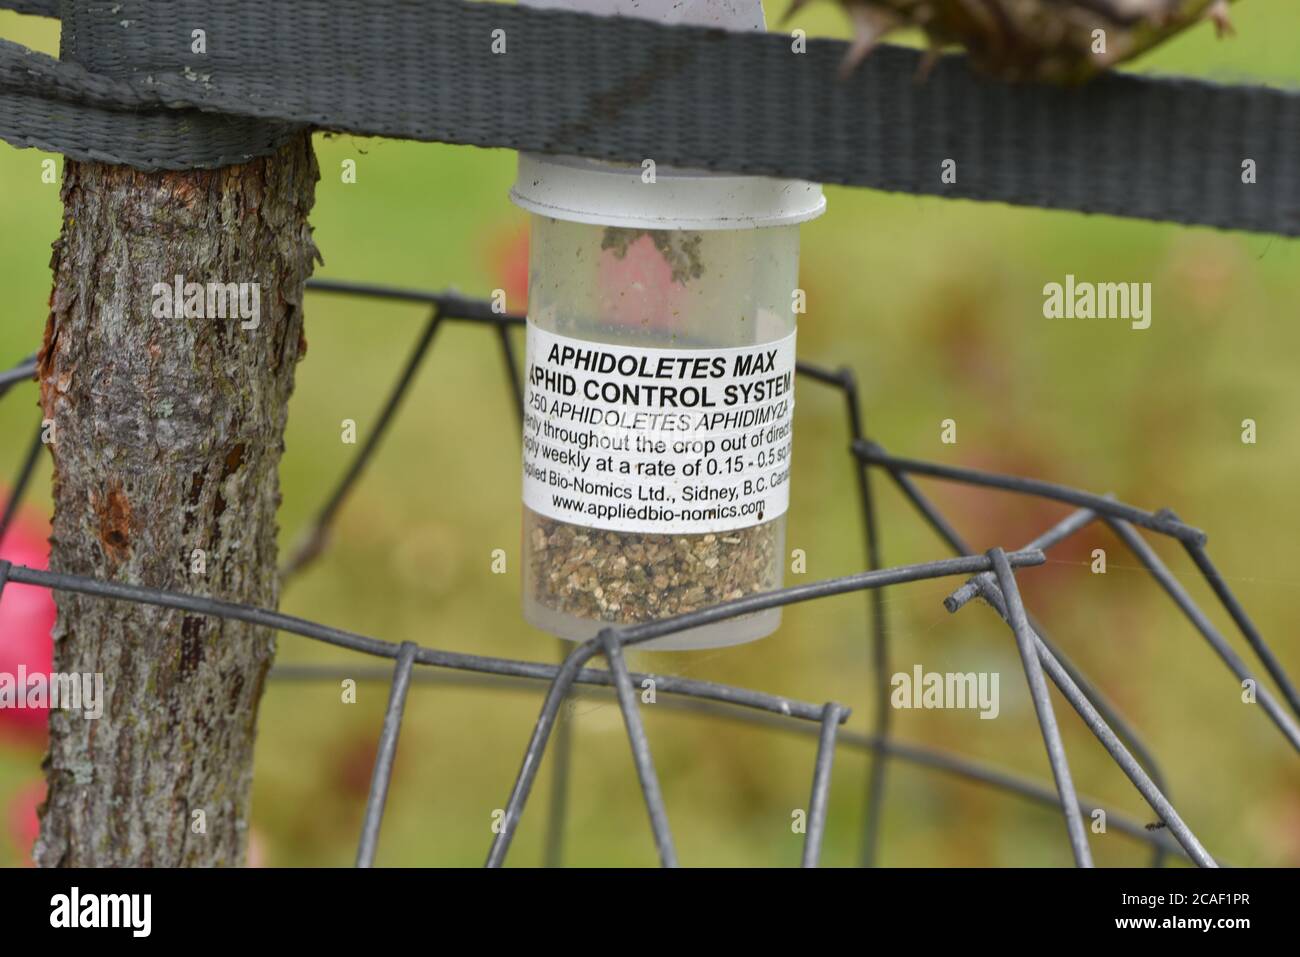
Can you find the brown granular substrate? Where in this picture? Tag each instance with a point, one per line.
(629, 577)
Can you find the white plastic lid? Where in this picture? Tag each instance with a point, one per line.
(610, 194)
(614, 194)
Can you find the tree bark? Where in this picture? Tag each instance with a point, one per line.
(167, 436)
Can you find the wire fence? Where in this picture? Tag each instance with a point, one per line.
(991, 576)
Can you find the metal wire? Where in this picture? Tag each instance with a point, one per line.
(990, 577)
(995, 593)
(383, 770)
(967, 769)
(1043, 708)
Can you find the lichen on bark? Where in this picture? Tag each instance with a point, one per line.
(167, 436)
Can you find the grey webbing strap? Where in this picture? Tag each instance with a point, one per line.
(40, 8)
(128, 90)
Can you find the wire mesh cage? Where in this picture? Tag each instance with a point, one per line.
(990, 577)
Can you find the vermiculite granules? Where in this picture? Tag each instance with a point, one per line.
(626, 577)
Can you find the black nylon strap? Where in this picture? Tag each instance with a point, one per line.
(1165, 149)
(40, 8)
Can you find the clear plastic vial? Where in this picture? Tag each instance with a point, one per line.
(660, 378)
(689, 291)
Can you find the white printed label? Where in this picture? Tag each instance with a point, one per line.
(657, 440)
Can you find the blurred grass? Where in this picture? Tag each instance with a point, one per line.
(937, 306)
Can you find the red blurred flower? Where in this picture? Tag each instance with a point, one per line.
(26, 618)
(508, 262)
(638, 288)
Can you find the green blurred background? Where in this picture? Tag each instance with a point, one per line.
(937, 307)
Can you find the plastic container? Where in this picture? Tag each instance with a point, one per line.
(659, 388)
